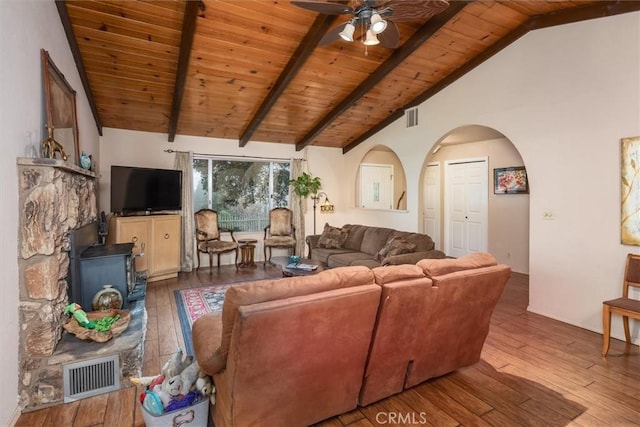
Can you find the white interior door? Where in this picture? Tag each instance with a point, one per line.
(431, 197)
(376, 186)
(466, 200)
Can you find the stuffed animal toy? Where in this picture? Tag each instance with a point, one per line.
(176, 364)
(173, 386)
(189, 375)
(205, 386)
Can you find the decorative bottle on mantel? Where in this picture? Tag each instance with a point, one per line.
(107, 298)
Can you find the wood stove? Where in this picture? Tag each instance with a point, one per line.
(93, 265)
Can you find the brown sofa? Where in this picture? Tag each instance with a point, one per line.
(295, 351)
(363, 244)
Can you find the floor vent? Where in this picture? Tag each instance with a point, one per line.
(91, 377)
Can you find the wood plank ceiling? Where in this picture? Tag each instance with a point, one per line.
(252, 70)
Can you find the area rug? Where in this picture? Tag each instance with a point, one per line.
(193, 303)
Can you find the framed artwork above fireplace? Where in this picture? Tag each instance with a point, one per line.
(60, 104)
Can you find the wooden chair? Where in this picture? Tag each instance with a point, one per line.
(208, 237)
(280, 233)
(625, 306)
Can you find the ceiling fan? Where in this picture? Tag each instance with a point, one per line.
(375, 19)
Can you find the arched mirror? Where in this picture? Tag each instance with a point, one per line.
(381, 181)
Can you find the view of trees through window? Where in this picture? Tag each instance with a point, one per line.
(243, 192)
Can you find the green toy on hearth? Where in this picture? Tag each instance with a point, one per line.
(80, 315)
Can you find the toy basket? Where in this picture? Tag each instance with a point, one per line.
(196, 415)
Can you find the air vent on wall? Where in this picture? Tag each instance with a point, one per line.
(91, 377)
(412, 117)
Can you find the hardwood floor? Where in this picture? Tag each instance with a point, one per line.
(534, 371)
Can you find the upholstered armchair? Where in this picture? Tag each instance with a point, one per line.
(208, 237)
(280, 233)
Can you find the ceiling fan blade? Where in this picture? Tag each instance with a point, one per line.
(390, 37)
(325, 8)
(332, 35)
(411, 10)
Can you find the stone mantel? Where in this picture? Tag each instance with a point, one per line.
(55, 163)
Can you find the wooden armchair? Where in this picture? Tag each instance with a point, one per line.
(624, 306)
(208, 237)
(280, 233)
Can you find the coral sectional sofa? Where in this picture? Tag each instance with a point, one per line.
(354, 244)
(295, 351)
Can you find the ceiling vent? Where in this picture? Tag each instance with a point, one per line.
(412, 117)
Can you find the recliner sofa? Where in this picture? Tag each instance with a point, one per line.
(295, 351)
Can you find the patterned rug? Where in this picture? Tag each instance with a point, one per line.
(193, 303)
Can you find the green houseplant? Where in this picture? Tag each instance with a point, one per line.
(305, 185)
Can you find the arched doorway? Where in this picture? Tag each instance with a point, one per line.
(507, 220)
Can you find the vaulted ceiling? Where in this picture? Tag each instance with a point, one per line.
(253, 70)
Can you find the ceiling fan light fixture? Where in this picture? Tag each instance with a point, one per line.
(378, 24)
(347, 33)
(371, 39)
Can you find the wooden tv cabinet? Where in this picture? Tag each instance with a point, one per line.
(161, 236)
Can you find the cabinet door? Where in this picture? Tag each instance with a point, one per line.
(136, 231)
(166, 233)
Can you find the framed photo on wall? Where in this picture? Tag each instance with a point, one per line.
(511, 180)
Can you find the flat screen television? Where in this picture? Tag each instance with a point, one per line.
(146, 190)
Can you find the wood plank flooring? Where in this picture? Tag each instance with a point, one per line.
(534, 371)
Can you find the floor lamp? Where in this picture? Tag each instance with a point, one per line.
(325, 207)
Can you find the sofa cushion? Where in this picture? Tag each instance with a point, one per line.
(423, 242)
(440, 267)
(350, 258)
(270, 290)
(396, 273)
(332, 237)
(374, 239)
(322, 254)
(354, 239)
(395, 246)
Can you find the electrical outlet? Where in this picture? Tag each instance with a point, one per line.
(548, 215)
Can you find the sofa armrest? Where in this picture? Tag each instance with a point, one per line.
(413, 257)
(312, 242)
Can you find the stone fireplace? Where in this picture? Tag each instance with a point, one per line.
(54, 198)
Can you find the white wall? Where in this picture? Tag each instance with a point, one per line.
(26, 27)
(129, 148)
(564, 96)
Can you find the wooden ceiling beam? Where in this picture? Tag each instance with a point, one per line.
(75, 51)
(396, 58)
(186, 42)
(582, 13)
(319, 28)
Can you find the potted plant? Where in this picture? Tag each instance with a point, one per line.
(305, 185)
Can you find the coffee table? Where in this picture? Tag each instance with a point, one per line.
(282, 262)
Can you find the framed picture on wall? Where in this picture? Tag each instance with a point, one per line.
(60, 103)
(511, 180)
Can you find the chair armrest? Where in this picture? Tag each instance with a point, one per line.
(413, 258)
(312, 241)
(266, 229)
(228, 230)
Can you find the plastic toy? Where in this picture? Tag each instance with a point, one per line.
(80, 315)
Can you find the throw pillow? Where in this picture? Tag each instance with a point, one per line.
(332, 237)
(395, 246)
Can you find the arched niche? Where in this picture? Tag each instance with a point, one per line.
(371, 189)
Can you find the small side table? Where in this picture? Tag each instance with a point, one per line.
(247, 251)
